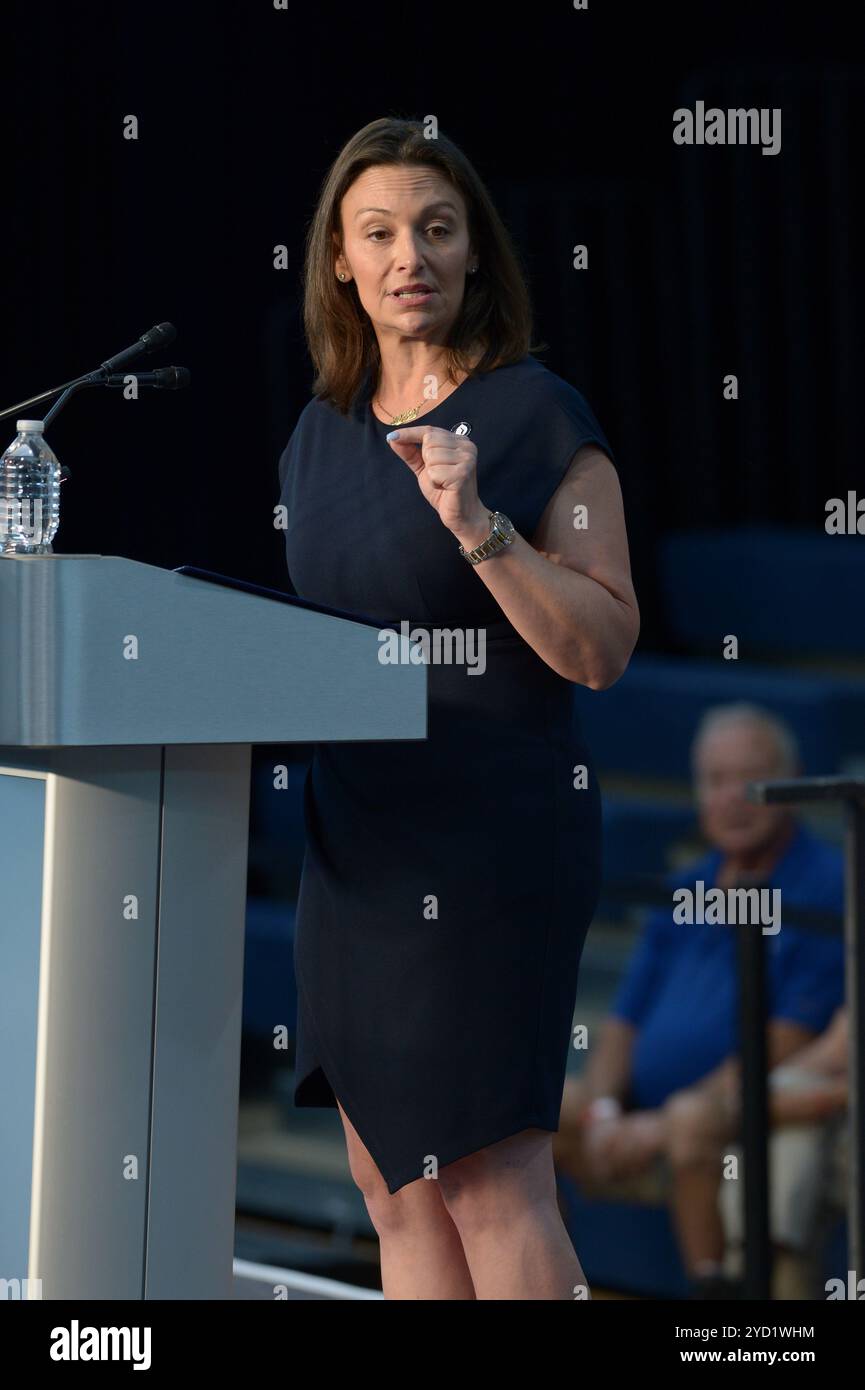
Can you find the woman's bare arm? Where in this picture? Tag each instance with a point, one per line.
(569, 592)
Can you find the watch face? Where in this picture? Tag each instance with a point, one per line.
(504, 523)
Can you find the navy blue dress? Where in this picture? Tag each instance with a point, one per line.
(448, 883)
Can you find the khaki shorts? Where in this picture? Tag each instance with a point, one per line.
(807, 1172)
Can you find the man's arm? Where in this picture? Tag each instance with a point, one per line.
(782, 1040)
(827, 1054)
(607, 1073)
(608, 1069)
(606, 1079)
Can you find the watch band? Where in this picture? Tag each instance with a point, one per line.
(502, 533)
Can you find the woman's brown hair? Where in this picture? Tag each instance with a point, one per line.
(496, 313)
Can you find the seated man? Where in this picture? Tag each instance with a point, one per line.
(662, 1080)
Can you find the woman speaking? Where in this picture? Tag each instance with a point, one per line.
(443, 475)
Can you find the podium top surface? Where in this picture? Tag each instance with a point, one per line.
(98, 649)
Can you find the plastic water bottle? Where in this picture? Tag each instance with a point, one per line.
(29, 493)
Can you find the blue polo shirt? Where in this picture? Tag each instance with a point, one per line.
(681, 987)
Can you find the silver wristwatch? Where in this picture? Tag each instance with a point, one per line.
(501, 534)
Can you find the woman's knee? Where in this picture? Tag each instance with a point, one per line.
(389, 1211)
(363, 1168)
(499, 1182)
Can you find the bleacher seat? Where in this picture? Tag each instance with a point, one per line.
(269, 986)
(779, 589)
(643, 725)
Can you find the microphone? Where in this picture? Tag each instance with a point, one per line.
(164, 378)
(154, 338)
(151, 341)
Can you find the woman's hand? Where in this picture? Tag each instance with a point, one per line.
(445, 465)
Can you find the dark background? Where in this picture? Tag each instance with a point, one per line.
(702, 261)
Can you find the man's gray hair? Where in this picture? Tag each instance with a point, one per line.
(743, 712)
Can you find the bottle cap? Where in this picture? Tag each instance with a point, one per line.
(30, 424)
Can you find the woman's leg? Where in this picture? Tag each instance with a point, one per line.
(503, 1203)
(421, 1252)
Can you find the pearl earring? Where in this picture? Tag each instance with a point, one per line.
(341, 276)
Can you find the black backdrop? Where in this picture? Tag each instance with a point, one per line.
(703, 261)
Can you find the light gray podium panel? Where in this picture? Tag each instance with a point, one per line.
(100, 650)
(92, 1000)
(121, 1001)
(199, 1008)
(22, 822)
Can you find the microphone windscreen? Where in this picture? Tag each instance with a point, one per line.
(159, 337)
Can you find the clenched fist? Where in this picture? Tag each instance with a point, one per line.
(445, 465)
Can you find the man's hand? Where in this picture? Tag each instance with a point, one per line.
(623, 1147)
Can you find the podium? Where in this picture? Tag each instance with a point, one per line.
(129, 699)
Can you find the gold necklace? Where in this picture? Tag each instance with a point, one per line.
(406, 415)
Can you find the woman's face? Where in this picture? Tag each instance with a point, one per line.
(404, 225)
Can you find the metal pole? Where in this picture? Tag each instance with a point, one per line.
(755, 1108)
(854, 976)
